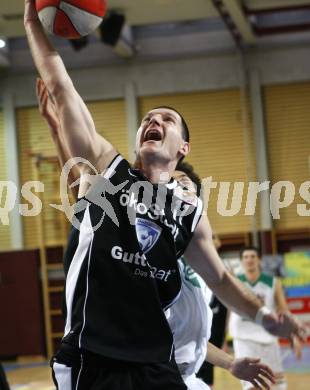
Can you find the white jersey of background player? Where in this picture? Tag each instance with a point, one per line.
(190, 319)
(249, 338)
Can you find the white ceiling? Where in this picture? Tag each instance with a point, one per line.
(139, 12)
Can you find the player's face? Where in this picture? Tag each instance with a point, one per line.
(185, 181)
(250, 261)
(160, 135)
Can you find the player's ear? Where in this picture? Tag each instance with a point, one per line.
(184, 149)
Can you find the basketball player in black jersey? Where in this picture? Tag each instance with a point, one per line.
(191, 185)
(117, 282)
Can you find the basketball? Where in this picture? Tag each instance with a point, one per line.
(71, 19)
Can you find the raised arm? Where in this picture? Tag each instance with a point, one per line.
(246, 369)
(75, 120)
(202, 256)
(48, 111)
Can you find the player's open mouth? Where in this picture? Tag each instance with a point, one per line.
(152, 135)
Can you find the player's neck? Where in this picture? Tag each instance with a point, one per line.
(158, 172)
(252, 275)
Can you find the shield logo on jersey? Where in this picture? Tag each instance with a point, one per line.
(148, 233)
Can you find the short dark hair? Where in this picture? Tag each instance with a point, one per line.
(189, 171)
(185, 129)
(250, 248)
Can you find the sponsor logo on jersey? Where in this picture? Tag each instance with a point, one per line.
(143, 269)
(153, 211)
(148, 234)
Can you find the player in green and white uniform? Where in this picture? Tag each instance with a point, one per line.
(251, 339)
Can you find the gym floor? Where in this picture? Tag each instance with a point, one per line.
(36, 374)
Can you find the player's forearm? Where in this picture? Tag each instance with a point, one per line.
(218, 358)
(236, 296)
(76, 123)
(280, 298)
(202, 256)
(63, 156)
(48, 62)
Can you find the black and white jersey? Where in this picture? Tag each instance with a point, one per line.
(121, 265)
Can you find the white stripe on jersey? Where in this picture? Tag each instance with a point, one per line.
(198, 213)
(108, 173)
(85, 239)
(78, 378)
(86, 295)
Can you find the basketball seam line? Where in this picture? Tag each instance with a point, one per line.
(81, 9)
(73, 25)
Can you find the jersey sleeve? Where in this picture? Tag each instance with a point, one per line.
(189, 224)
(118, 170)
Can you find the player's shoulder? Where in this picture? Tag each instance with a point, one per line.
(267, 279)
(118, 167)
(241, 277)
(118, 161)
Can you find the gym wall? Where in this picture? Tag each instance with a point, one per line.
(5, 238)
(288, 133)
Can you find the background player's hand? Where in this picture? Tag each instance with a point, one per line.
(47, 107)
(297, 346)
(253, 371)
(284, 325)
(30, 13)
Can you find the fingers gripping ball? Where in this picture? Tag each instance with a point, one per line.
(71, 19)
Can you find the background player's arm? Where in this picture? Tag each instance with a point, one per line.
(202, 256)
(76, 122)
(283, 308)
(246, 369)
(280, 298)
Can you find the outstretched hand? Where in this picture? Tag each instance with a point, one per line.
(47, 107)
(285, 325)
(30, 13)
(251, 370)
